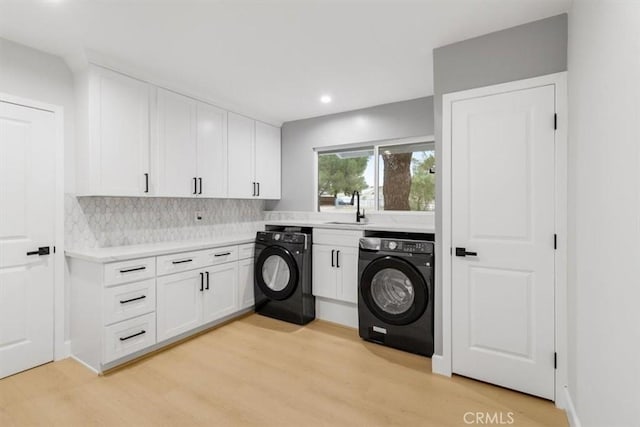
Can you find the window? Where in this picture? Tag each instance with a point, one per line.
(392, 177)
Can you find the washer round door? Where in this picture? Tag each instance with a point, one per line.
(276, 273)
(394, 290)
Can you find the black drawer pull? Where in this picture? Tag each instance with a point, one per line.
(182, 261)
(133, 336)
(129, 270)
(224, 254)
(132, 299)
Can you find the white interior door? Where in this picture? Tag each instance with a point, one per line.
(27, 184)
(503, 210)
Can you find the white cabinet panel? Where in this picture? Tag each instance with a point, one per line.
(176, 150)
(221, 291)
(241, 134)
(179, 306)
(324, 272)
(347, 266)
(212, 151)
(245, 283)
(267, 161)
(114, 136)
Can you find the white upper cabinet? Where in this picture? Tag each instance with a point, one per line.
(254, 159)
(241, 131)
(176, 147)
(267, 161)
(113, 133)
(212, 151)
(190, 148)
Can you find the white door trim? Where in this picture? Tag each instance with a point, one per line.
(60, 348)
(442, 363)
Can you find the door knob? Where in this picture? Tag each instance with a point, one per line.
(42, 250)
(463, 252)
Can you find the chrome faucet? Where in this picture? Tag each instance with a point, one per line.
(358, 214)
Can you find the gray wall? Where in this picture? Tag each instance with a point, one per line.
(300, 137)
(517, 53)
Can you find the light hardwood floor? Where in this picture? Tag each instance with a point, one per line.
(259, 371)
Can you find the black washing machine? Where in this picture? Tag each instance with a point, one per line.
(282, 276)
(395, 293)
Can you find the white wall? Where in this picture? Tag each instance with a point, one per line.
(604, 211)
(39, 76)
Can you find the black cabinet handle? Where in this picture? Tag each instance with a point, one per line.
(132, 299)
(332, 252)
(223, 254)
(146, 182)
(129, 270)
(207, 273)
(181, 261)
(200, 182)
(133, 336)
(201, 282)
(195, 185)
(258, 189)
(338, 259)
(42, 250)
(254, 189)
(462, 252)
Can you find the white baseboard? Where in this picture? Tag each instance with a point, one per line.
(438, 366)
(572, 415)
(85, 365)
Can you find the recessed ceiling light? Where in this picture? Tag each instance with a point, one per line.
(325, 99)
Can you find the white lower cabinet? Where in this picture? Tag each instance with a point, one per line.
(245, 283)
(121, 310)
(179, 303)
(335, 266)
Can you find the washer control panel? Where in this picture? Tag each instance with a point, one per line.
(407, 246)
(271, 236)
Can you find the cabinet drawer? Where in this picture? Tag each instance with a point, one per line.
(175, 263)
(246, 251)
(221, 255)
(129, 271)
(127, 337)
(336, 237)
(127, 301)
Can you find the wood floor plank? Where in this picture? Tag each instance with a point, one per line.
(259, 371)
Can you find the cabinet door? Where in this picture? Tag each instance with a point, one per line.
(221, 291)
(179, 302)
(119, 133)
(245, 283)
(347, 261)
(212, 151)
(267, 155)
(176, 144)
(324, 272)
(241, 133)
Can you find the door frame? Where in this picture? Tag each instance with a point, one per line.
(442, 364)
(61, 348)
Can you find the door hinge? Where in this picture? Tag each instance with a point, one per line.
(555, 121)
(555, 360)
(555, 241)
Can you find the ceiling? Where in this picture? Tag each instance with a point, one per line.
(272, 59)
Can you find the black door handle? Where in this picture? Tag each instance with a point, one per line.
(195, 185)
(201, 282)
(258, 189)
(463, 252)
(42, 250)
(254, 189)
(207, 273)
(332, 252)
(338, 259)
(146, 182)
(200, 182)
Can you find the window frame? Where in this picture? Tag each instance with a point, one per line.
(375, 146)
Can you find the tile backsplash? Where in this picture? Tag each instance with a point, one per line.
(92, 222)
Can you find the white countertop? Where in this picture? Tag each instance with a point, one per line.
(406, 228)
(121, 253)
